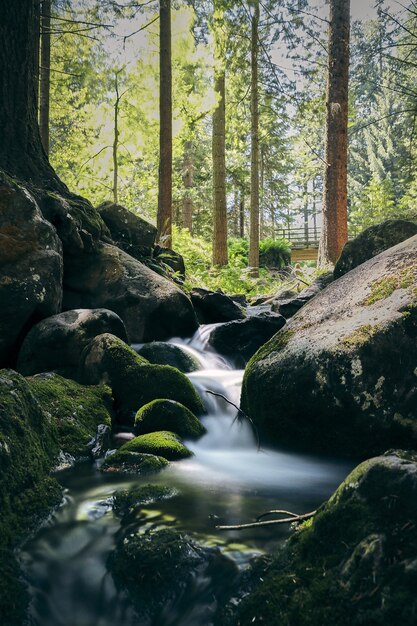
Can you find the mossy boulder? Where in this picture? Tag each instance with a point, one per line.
(126, 502)
(31, 267)
(56, 343)
(74, 409)
(372, 242)
(129, 462)
(134, 381)
(28, 448)
(161, 443)
(162, 353)
(150, 306)
(341, 376)
(168, 415)
(129, 232)
(354, 562)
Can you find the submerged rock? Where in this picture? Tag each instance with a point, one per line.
(242, 338)
(150, 306)
(341, 376)
(215, 306)
(31, 267)
(162, 353)
(57, 342)
(168, 415)
(162, 443)
(354, 563)
(134, 381)
(129, 232)
(373, 241)
(126, 502)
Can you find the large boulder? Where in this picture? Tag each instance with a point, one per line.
(291, 306)
(30, 267)
(162, 443)
(341, 376)
(168, 415)
(372, 242)
(242, 338)
(172, 259)
(162, 353)
(355, 563)
(129, 232)
(215, 306)
(150, 306)
(134, 381)
(56, 343)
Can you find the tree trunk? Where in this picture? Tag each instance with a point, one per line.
(219, 142)
(45, 74)
(242, 214)
(116, 141)
(164, 218)
(188, 180)
(305, 212)
(335, 232)
(37, 48)
(21, 152)
(254, 194)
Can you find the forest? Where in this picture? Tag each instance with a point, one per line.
(208, 320)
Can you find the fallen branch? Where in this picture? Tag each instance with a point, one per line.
(285, 520)
(239, 416)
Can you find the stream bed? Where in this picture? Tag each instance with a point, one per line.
(227, 481)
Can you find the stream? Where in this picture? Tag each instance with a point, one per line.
(228, 480)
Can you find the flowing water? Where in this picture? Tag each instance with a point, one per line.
(228, 480)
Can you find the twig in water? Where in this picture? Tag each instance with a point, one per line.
(285, 520)
(239, 416)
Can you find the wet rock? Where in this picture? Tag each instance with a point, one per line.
(215, 306)
(288, 308)
(161, 353)
(372, 242)
(99, 444)
(135, 463)
(134, 381)
(30, 267)
(242, 338)
(150, 306)
(172, 259)
(129, 232)
(76, 411)
(168, 415)
(128, 502)
(341, 375)
(162, 443)
(355, 562)
(57, 342)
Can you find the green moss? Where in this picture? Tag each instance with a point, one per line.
(384, 287)
(161, 353)
(278, 342)
(131, 462)
(128, 501)
(168, 415)
(75, 409)
(350, 564)
(361, 335)
(162, 443)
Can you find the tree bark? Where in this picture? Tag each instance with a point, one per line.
(188, 181)
(45, 74)
(242, 214)
(254, 194)
(335, 232)
(164, 217)
(21, 152)
(37, 48)
(219, 142)
(116, 140)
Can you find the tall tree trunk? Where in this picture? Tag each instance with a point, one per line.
(116, 140)
(254, 193)
(219, 142)
(262, 215)
(242, 214)
(305, 211)
(21, 152)
(164, 218)
(37, 48)
(45, 74)
(188, 181)
(335, 232)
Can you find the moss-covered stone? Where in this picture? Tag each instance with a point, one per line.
(128, 501)
(354, 563)
(162, 443)
(28, 447)
(130, 462)
(76, 410)
(134, 381)
(162, 353)
(168, 415)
